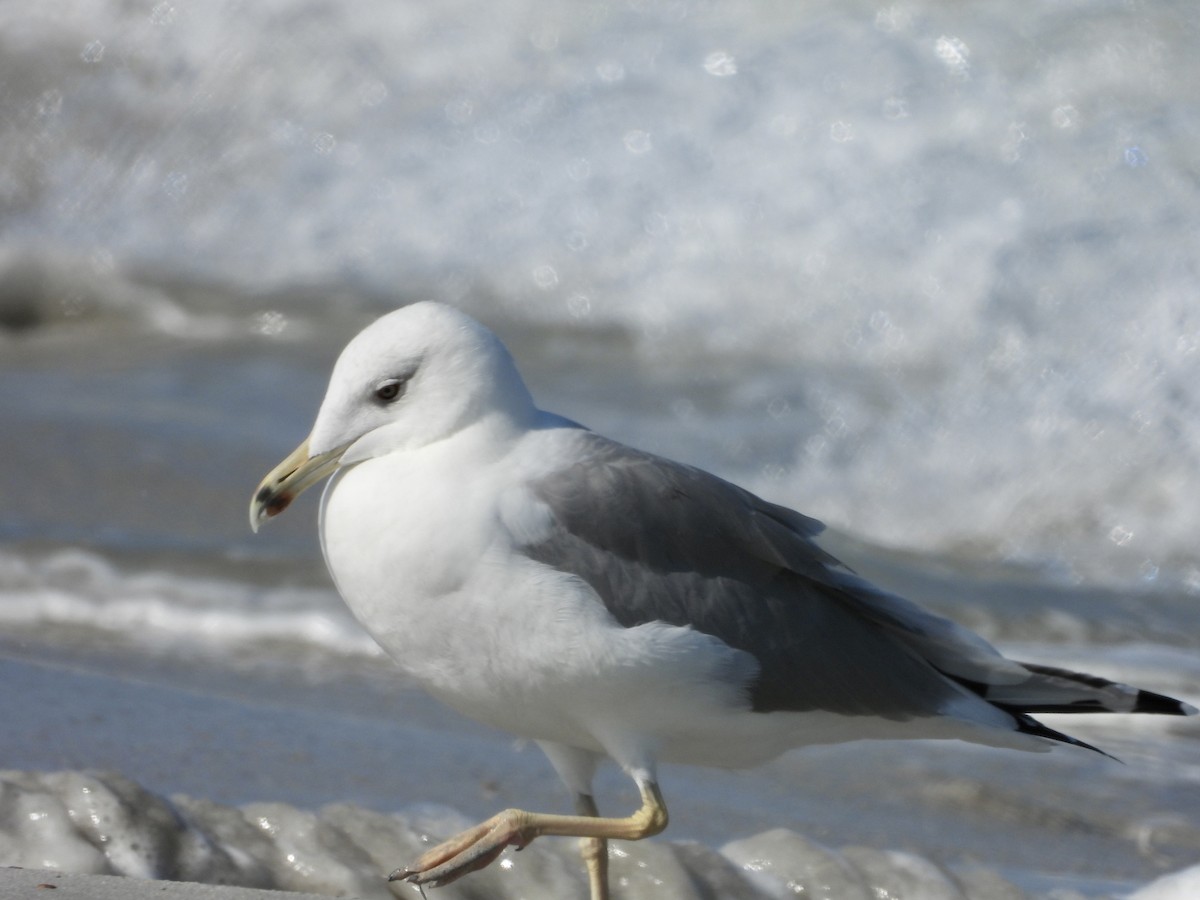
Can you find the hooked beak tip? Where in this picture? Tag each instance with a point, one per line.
(289, 480)
(267, 505)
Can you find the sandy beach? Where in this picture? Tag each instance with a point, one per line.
(161, 781)
(23, 884)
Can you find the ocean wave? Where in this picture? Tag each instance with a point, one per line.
(943, 301)
(107, 824)
(73, 598)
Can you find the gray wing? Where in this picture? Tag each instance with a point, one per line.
(661, 541)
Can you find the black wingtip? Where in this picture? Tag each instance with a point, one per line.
(1031, 726)
(1160, 704)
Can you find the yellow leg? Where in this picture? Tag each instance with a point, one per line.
(594, 851)
(476, 847)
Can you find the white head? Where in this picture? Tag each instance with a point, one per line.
(413, 377)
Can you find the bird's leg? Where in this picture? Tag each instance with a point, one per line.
(594, 851)
(476, 847)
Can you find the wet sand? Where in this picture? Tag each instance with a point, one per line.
(22, 884)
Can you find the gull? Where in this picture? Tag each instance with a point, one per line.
(608, 603)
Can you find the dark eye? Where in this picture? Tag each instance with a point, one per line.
(390, 390)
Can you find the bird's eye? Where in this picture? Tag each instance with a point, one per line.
(390, 390)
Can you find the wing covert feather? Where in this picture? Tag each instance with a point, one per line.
(661, 541)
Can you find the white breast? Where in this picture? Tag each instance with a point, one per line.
(427, 555)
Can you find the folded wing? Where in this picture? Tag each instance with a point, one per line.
(661, 541)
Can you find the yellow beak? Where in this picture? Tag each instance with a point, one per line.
(289, 480)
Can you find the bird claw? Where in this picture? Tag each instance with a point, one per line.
(467, 852)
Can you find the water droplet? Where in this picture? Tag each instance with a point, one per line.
(1120, 535)
(772, 472)
(895, 108)
(270, 323)
(842, 132)
(175, 185)
(1191, 580)
(163, 14)
(545, 277)
(893, 19)
(50, 103)
(1135, 157)
(579, 306)
(577, 240)
(1010, 150)
(835, 426)
(720, 63)
(954, 54)
(638, 142)
(93, 52)
(816, 446)
(286, 133)
(778, 407)
(71, 305)
(324, 143)
(1064, 116)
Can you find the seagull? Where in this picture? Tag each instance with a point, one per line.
(608, 603)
